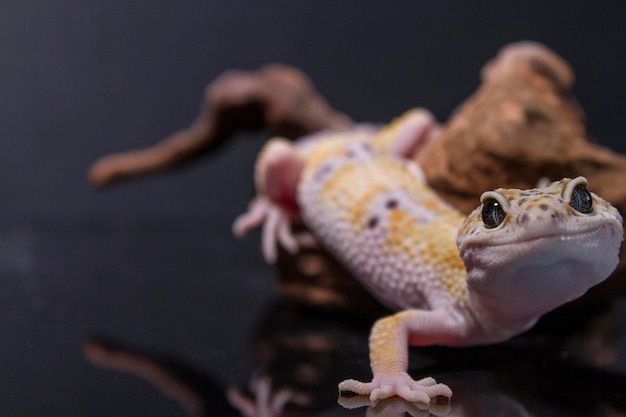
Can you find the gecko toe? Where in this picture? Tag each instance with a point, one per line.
(354, 386)
(426, 382)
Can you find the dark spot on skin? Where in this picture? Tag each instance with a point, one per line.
(391, 204)
(522, 219)
(521, 201)
(372, 222)
(322, 171)
(358, 149)
(543, 207)
(528, 193)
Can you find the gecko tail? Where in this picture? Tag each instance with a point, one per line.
(277, 175)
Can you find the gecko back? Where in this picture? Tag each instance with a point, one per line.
(374, 211)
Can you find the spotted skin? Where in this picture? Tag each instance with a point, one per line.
(376, 213)
(456, 281)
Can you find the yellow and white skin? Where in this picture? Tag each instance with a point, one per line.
(454, 281)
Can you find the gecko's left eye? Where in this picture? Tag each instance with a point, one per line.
(581, 199)
(492, 214)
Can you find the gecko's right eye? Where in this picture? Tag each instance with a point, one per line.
(492, 214)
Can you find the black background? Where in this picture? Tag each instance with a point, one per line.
(152, 262)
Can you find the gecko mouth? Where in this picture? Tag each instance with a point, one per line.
(533, 240)
(563, 236)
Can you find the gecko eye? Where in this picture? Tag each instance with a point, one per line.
(581, 199)
(493, 214)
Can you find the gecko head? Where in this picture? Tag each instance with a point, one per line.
(537, 249)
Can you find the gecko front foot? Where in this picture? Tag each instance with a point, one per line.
(402, 385)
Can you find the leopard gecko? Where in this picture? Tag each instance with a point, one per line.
(454, 281)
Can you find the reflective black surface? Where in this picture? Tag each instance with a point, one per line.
(150, 270)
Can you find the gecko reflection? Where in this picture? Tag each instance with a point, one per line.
(302, 354)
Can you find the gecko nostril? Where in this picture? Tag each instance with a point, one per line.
(556, 216)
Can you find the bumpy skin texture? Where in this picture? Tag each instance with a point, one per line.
(520, 255)
(376, 213)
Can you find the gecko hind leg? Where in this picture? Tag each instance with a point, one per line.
(275, 208)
